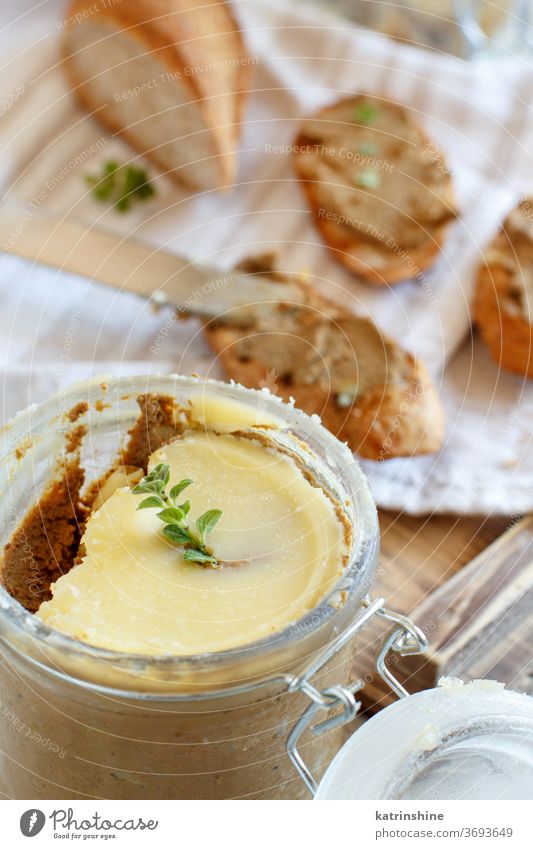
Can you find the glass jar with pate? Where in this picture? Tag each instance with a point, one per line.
(107, 713)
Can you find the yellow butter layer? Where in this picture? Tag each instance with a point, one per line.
(133, 592)
(225, 415)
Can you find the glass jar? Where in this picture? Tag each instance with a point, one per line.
(82, 722)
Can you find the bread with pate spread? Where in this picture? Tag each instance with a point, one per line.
(503, 304)
(380, 191)
(367, 390)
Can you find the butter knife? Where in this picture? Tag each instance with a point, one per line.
(133, 266)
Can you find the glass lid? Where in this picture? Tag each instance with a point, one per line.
(456, 741)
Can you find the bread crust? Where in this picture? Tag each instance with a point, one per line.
(395, 410)
(155, 25)
(387, 421)
(345, 250)
(382, 261)
(180, 177)
(508, 335)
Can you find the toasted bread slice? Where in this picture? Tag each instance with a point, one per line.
(367, 390)
(168, 75)
(503, 304)
(380, 191)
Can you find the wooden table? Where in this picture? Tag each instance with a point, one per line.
(419, 558)
(418, 554)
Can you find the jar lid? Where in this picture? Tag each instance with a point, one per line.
(455, 741)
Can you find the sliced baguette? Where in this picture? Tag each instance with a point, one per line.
(168, 75)
(503, 304)
(367, 390)
(380, 192)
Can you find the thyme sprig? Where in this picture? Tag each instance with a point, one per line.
(121, 185)
(177, 528)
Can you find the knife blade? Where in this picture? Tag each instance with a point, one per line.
(130, 265)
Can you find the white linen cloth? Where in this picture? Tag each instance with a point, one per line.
(56, 328)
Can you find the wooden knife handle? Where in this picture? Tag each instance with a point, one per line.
(69, 245)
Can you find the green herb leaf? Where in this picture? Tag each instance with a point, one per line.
(172, 515)
(145, 191)
(146, 485)
(206, 522)
(176, 534)
(101, 189)
(176, 490)
(366, 112)
(123, 204)
(121, 185)
(368, 178)
(198, 556)
(153, 501)
(136, 182)
(161, 472)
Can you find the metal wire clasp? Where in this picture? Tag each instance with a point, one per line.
(404, 638)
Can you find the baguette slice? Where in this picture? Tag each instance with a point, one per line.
(367, 390)
(380, 191)
(168, 75)
(503, 304)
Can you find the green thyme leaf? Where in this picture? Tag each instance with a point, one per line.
(137, 182)
(123, 204)
(198, 556)
(176, 534)
(171, 515)
(146, 485)
(178, 489)
(152, 501)
(366, 112)
(206, 522)
(156, 474)
(121, 185)
(174, 515)
(161, 472)
(145, 190)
